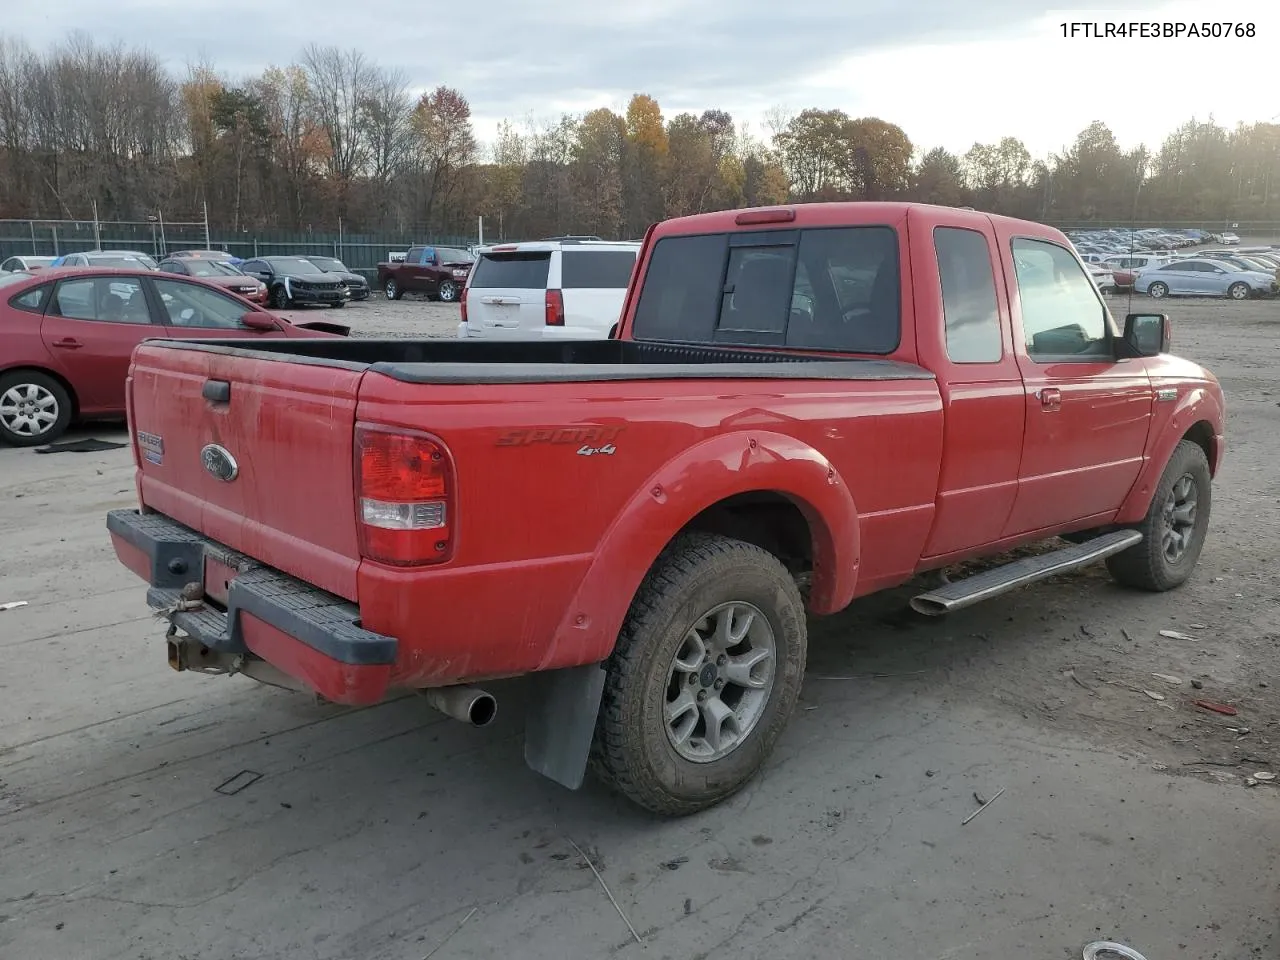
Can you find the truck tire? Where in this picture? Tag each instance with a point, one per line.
(704, 677)
(448, 292)
(392, 289)
(35, 409)
(1174, 528)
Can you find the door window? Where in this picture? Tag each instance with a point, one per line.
(105, 299)
(189, 305)
(1063, 318)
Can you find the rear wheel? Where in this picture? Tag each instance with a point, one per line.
(1174, 528)
(1238, 291)
(1158, 290)
(704, 677)
(280, 298)
(34, 408)
(448, 292)
(392, 289)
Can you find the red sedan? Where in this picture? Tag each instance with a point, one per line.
(67, 335)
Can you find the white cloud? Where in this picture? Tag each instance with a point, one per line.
(1045, 88)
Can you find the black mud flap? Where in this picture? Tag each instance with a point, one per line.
(561, 722)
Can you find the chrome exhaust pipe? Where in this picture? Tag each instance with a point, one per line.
(467, 704)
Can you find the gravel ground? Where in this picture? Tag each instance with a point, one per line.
(391, 833)
(380, 317)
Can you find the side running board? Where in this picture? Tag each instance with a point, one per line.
(992, 583)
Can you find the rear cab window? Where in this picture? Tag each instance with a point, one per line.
(822, 288)
(516, 270)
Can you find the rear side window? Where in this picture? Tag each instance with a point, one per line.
(822, 289)
(32, 301)
(520, 271)
(969, 309)
(596, 270)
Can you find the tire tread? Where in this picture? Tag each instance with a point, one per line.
(615, 742)
(1143, 566)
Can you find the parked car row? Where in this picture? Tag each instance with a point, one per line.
(1094, 245)
(282, 281)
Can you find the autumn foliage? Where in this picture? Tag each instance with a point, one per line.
(336, 136)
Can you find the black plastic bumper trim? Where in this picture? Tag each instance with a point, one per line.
(324, 622)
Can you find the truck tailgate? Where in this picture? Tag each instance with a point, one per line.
(288, 428)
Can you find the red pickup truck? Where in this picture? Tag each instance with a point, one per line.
(800, 406)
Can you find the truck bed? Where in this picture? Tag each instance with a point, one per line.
(456, 362)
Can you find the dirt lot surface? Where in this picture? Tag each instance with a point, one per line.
(391, 834)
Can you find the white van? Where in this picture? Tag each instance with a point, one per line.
(566, 289)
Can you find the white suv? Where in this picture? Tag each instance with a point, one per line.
(566, 289)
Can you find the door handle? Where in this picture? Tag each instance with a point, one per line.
(68, 343)
(1050, 398)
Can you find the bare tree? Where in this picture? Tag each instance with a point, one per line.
(384, 124)
(340, 83)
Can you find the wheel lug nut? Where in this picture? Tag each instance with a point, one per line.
(693, 679)
(719, 684)
(702, 694)
(722, 660)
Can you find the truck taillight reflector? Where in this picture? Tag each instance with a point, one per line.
(404, 489)
(555, 308)
(462, 303)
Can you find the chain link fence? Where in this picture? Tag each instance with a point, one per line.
(52, 238)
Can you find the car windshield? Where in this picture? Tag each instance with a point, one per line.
(294, 265)
(211, 268)
(330, 264)
(453, 255)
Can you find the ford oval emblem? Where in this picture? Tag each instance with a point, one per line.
(219, 462)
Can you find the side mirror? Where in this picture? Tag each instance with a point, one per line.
(1147, 334)
(259, 321)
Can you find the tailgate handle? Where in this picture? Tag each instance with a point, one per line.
(219, 391)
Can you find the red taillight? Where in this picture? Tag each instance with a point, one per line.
(555, 309)
(774, 215)
(404, 492)
(462, 302)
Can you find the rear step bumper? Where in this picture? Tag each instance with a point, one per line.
(311, 635)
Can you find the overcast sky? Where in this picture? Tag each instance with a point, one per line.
(949, 72)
